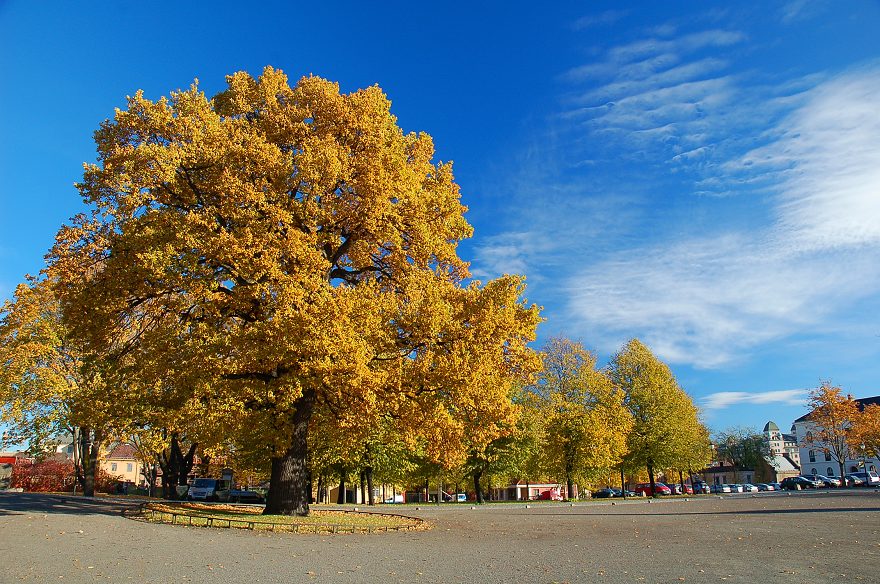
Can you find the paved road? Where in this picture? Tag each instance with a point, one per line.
(792, 538)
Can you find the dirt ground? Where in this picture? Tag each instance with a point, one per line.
(804, 537)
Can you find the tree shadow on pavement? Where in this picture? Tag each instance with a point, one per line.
(24, 503)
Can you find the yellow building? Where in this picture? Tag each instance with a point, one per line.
(121, 462)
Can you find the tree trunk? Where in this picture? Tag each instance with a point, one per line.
(340, 496)
(186, 463)
(651, 477)
(363, 478)
(477, 489)
(89, 447)
(370, 498)
(320, 488)
(288, 484)
(681, 482)
(569, 483)
(622, 483)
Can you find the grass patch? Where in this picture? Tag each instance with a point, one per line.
(241, 517)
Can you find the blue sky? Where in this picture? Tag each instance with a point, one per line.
(704, 176)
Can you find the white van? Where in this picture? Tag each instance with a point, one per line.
(205, 489)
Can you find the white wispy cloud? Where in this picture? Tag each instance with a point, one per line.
(825, 161)
(725, 399)
(705, 300)
(802, 152)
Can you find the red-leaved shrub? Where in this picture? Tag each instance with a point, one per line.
(43, 476)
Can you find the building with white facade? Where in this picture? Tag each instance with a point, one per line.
(779, 444)
(818, 460)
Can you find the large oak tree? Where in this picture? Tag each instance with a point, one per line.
(278, 249)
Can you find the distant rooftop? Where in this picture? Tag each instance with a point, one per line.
(862, 402)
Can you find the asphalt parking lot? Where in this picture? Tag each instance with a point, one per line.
(809, 537)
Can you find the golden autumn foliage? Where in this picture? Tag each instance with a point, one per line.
(832, 417)
(49, 385)
(865, 432)
(667, 433)
(584, 418)
(278, 250)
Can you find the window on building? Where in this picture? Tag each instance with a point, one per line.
(113, 467)
(128, 467)
(830, 472)
(812, 456)
(813, 471)
(827, 454)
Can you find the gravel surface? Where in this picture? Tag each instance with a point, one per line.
(809, 537)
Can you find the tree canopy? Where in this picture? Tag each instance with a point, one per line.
(585, 420)
(280, 249)
(832, 417)
(665, 419)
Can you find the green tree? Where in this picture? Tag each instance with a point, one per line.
(665, 418)
(744, 448)
(280, 249)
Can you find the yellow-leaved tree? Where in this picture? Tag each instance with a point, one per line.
(48, 384)
(585, 421)
(665, 420)
(286, 248)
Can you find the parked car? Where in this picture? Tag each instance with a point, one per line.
(701, 487)
(550, 495)
(244, 496)
(870, 478)
(750, 488)
(606, 494)
(659, 489)
(830, 482)
(395, 499)
(854, 480)
(736, 488)
(205, 489)
(797, 483)
(611, 492)
(721, 488)
(678, 489)
(776, 486)
(765, 487)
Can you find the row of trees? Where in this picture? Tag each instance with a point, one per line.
(273, 273)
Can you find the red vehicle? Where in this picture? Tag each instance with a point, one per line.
(549, 495)
(659, 489)
(677, 489)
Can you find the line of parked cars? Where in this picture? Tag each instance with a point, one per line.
(817, 481)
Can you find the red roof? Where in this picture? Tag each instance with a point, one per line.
(123, 451)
